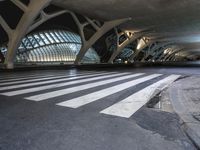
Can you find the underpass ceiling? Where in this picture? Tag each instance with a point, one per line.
(173, 20)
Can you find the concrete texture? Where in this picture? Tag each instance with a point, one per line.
(169, 20)
(44, 126)
(185, 97)
(162, 15)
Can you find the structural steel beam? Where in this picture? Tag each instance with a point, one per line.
(15, 35)
(131, 37)
(100, 31)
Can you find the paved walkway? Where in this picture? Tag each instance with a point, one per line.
(44, 110)
(185, 97)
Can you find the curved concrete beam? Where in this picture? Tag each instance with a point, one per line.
(131, 37)
(160, 51)
(20, 5)
(100, 31)
(152, 51)
(15, 36)
(180, 54)
(138, 50)
(6, 27)
(45, 17)
(170, 56)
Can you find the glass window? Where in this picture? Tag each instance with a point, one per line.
(66, 37)
(63, 37)
(38, 39)
(53, 45)
(53, 36)
(27, 43)
(44, 38)
(49, 38)
(59, 36)
(33, 41)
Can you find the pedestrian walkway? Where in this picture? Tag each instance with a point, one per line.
(89, 88)
(185, 97)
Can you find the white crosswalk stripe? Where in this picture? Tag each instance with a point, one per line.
(23, 78)
(33, 80)
(32, 76)
(53, 94)
(29, 90)
(49, 81)
(86, 99)
(42, 78)
(5, 77)
(65, 84)
(127, 107)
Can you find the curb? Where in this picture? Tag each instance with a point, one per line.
(192, 135)
(190, 125)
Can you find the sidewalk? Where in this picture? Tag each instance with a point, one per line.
(185, 98)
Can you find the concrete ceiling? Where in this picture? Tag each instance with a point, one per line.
(172, 20)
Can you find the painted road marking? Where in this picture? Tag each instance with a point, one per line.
(86, 99)
(53, 94)
(127, 107)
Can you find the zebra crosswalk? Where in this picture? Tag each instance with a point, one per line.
(103, 84)
(57, 79)
(134, 102)
(78, 88)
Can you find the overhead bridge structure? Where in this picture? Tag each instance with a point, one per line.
(100, 31)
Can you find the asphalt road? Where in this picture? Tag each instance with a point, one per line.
(34, 123)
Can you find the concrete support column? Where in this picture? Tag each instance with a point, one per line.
(154, 49)
(170, 56)
(159, 52)
(15, 35)
(149, 53)
(131, 37)
(138, 50)
(100, 31)
(44, 17)
(164, 54)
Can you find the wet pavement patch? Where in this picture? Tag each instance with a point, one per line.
(163, 123)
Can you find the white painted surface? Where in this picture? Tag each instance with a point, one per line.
(86, 99)
(127, 107)
(8, 78)
(38, 78)
(22, 78)
(33, 80)
(81, 87)
(38, 97)
(48, 82)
